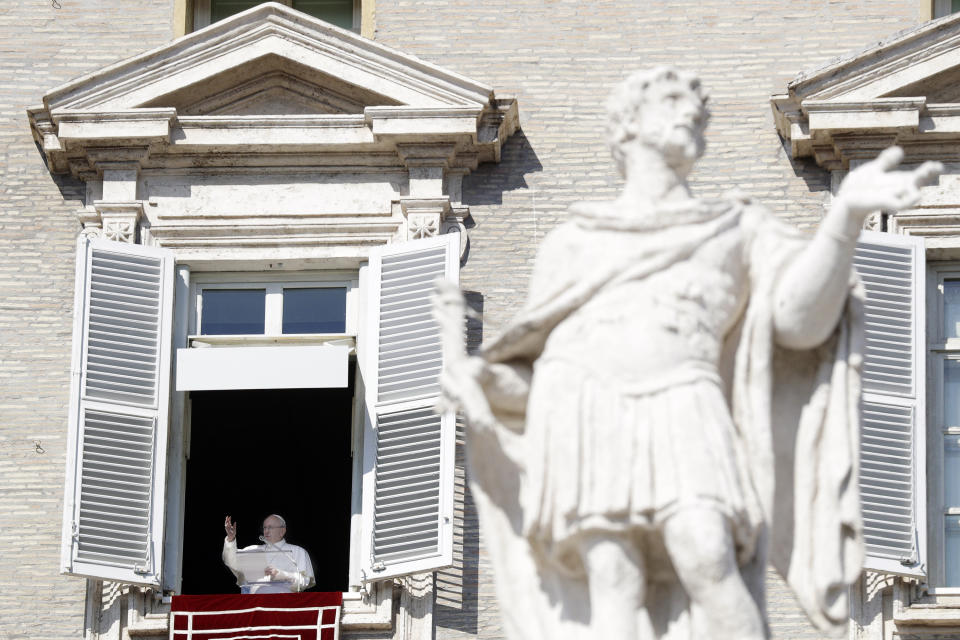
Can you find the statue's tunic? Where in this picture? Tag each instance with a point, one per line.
(627, 405)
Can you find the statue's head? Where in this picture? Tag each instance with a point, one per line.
(660, 108)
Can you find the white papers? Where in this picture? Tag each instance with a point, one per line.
(252, 564)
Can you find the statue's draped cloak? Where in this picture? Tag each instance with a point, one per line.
(797, 414)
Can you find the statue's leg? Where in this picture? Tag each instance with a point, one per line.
(616, 579)
(700, 545)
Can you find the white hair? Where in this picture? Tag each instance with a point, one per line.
(283, 523)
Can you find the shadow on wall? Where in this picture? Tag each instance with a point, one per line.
(458, 588)
(72, 190)
(486, 184)
(816, 178)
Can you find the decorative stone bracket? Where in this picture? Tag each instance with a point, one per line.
(119, 220)
(426, 217)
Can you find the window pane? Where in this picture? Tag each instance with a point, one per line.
(220, 9)
(951, 308)
(232, 311)
(338, 12)
(315, 310)
(951, 393)
(952, 551)
(954, 6)
(951, 471)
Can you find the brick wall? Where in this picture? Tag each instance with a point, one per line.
(560, 58)
(43, 47)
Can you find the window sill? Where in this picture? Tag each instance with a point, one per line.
(374, 611)
(202, 342)
(152, 624)
(943, 611)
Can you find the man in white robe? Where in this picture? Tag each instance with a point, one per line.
(288, 570)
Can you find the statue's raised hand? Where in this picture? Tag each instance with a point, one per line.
(876, 186)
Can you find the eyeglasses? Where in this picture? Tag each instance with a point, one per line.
(270, 527)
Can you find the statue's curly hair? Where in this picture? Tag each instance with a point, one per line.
(625, 104)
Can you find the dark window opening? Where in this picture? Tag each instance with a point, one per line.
(337, 12)
(253, 453)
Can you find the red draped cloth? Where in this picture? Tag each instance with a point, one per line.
(274, 616)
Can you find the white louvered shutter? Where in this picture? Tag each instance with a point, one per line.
(892, 451)
(114, 494)
(408, 447)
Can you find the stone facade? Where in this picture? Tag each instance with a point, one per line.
(44, 47)
(558, 57)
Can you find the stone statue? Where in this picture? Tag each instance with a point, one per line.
(677, 402)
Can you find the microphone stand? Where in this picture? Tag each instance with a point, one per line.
(293, 561)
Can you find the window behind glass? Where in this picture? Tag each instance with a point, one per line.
(233, 312)
(337, 12)
(314, 310)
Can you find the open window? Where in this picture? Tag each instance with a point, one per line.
(892, 432)
(255, 331)
(367, 466)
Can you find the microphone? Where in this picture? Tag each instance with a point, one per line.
(283, 551)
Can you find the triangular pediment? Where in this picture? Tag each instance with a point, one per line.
(270, 85)
(264, 39)
(909, 63)
(904, 90)
(271, 80)
(939, 88)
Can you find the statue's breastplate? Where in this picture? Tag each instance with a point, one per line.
(675, 318)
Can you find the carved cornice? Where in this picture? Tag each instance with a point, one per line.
(887, 92)
(420, 154)
(926, 222)
(834, 133)
(75, 142)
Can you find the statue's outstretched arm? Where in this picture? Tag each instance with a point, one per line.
(470, 383)
(812, 290)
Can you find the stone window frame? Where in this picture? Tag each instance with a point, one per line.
(939, 8)
(939, 350)
(942, 249)
(188, 16)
